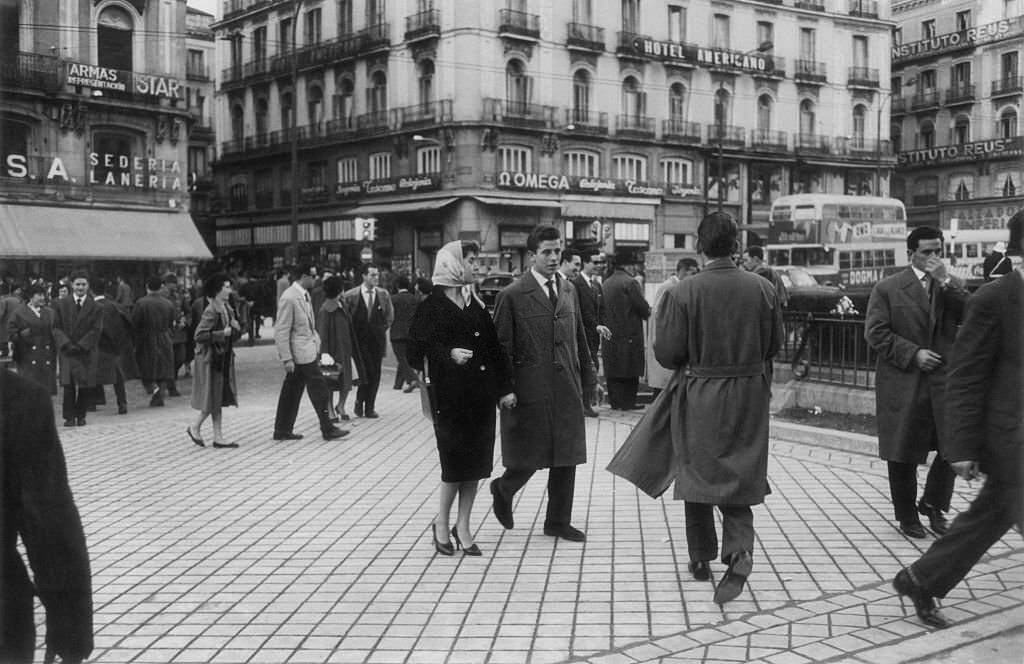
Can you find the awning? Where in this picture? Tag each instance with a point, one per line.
(608, 210)
(43, 231)
(399, 207)
(519, 202)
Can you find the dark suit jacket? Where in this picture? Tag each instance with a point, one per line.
(591, 305)
(901, 321)
(984, 391)
(625, 311)
(36, 505)
(371, 327)
(404, 304)
(77, 335)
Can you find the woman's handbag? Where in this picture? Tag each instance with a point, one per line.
(428, 396)
(332, 375)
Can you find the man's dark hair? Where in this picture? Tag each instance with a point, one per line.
(170, 278)
(98, 286)
(568, 255)
(213, 283)
(717, 235)
(541, 233)
(587, 255)
(32, 289)
(403, 283)
(922, 233)
(685, 263)
(363, 268)
(1016, 228)
(78, 274)
(301, 269)
(154, 283)
(756, 252)
(332, 287)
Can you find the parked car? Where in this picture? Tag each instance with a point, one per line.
(490, 285)
(807, 294)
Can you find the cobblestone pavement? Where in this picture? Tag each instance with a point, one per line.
(314, 551)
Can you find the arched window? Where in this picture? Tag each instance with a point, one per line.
(114, 38)
(1009, 187)
(676, 104)
(961, 130)
(378, 93)
(926, 135)
(237, 122)
(896, 137)
(581, 96)
(860, 113)
(632, 99)
(764, 115)
(961, 186)
(517, 88)
(343, 103)
(262, 112)
(426, 83)
(315, 105)
(807, 122)
(1008, 123)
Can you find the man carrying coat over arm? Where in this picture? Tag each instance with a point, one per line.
(721, 328)
(540, 328)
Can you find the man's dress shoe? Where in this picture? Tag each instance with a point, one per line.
(914, 529)
(502, 507)
(287, 435)
(924, 603)
(700, 570)
(334, 433)
(735, 577)
(936, 519)
(71, 422)
(81, 422)
(372, 415)
(565, 532)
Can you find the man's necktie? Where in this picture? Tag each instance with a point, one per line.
(551, 293)
(78, 304)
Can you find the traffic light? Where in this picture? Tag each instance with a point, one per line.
(366, 229)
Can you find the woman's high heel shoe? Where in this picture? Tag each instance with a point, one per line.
(471, 550)
(444, 548)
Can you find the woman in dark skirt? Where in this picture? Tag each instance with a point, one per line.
(452, 337)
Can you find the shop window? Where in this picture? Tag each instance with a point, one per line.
(114, 37)
(675, 170)
(428, 160)
(630, 167)
(515, 159)
(581, 163)
(380, 166)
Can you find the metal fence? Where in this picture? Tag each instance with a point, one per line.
(828, 350)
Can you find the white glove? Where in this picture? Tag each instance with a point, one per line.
(326, 359)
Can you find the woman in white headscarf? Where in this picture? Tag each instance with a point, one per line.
(452, 337)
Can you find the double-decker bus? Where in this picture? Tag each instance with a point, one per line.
(848, 241)
(968, 249)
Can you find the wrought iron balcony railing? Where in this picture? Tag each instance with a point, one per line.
(423, 25)
(587, 37)
(634, 125)
(865, 77)
(586, 122)
(520, 24)
(681, 131)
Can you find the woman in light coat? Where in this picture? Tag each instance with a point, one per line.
(213, 379)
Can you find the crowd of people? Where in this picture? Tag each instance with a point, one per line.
(948, 383)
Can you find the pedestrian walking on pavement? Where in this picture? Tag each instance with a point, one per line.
(338, 336)
(372, 313)
(77, 324)
(36, 506)
(117, 356)
(213, 378)
(542, 423)
(985, 438)
(720, 328)
(625, 311)
(30, 330)
(404, 303)
(911, 321)
(588, 288)
(153, 321)
(453, 339)
(298, 348)
(657, 375)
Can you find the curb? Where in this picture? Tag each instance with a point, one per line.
(845, 441)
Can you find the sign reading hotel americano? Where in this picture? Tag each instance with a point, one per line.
(698, 56)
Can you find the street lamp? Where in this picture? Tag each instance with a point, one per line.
(720, 122)
(293, 244)
(878, 130)
(421, 139)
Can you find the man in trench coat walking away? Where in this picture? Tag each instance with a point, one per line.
(911, 322)
(983, 418)
(542, 426)
(721, 328)
(153, 319)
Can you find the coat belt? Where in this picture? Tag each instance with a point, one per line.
(726, 371)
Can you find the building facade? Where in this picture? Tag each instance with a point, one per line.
(201, 55)
(93, 135)
(622, 121)
(956, 118)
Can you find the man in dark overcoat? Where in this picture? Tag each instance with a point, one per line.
(911, 321)
(588, 287)
(179, 333)
(372, 315)
(625, 312)
(983, 417)
(542, 426)
(404, 303)
(720, 328)
(36, 505)
(153, 320)
(117, 348)
(76, 331)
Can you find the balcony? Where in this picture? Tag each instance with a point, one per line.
(810, 71)
(680, 131)
(813, 5)
(858, 146)
(811, 144)
(961, 94)
(31, 70)
(195, 72)
(233, 8)
(770, 2)
(424, 25)
(424, 115)
(374, 38)
(625, 48)
(770, 141)
(899, 105)
(585, 37)
(374, 122)
(586, 122)
(512, 23)
(329, 52)
(927, 100)
(519, 114)
(728, 136)
(341, 126)
(635, 126)
(1008, 85)
(862, 77)
(776, 67)
(863, 8)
